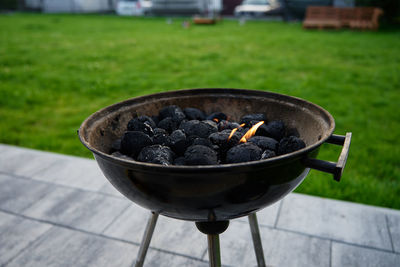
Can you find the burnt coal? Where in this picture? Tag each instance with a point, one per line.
(253, 117)
(197, 128)
(133, 142)
(221, 139)
(168, 124)
(157, 154)
(274, 129)
(173, 112)
(194, 114)
(212, 124)
(147, 119)
(264, 142)
(137, 125)
(243, 153)
(202, 142)
(268, 154)
(161, 137)
(227, 125)
(189, 137)
(290, 144)
(200, 155)
(178, 142)
(217, 116)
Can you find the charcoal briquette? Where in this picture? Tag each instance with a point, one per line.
(157, 154)
(168, 124)
(217, 116)
(141, 126)
(268, 154)
(243, 153)
(173, 112)
(178, 142)
(227, 125)
(197, 128)
(253, 117)
(133, 141)
(200, 155)
(202, 141)
(264, 142)
(274, 129)
(161, 137)
(194, 114)
(290, 144)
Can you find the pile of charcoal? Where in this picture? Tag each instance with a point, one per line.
(190, 137)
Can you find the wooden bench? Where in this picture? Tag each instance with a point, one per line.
(322, 17)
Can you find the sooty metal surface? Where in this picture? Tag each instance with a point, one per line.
(214, 192)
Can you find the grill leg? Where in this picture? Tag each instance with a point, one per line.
(214, 252)
(255, 234)
(148, 233)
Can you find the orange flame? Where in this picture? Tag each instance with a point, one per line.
(250, 132)
(234, 131)
(215, 119)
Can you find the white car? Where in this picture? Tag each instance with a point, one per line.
(133, 7)
(257, 8)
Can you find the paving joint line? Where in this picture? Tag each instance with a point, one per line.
(330, 253)
(390, 234)
(99, 235)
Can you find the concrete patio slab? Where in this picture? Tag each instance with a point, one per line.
(336, 220)
(77, 209)
(348, 255)
(51, 218)
(16, 234)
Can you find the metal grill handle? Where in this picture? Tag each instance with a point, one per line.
(335, 168)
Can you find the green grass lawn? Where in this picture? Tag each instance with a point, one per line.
(55, 70)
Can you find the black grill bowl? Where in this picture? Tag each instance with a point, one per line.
(215, 192)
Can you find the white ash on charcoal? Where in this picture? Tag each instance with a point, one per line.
(157, 154)
(190, 137)
(268, 154)
(142, 124)
(161, 137)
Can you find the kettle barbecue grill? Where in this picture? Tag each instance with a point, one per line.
(212, 195)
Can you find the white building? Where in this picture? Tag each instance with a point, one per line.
(72, 6)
